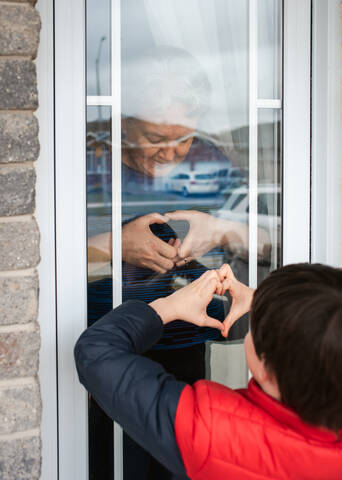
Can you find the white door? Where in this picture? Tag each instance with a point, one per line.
(146, 90)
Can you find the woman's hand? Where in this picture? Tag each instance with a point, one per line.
(140, 247)
(242, 296)
(190, 303)
(207, 232)
(204, 234)
(100, 248)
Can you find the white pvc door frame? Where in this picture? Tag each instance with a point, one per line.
(71, 259)
(71, 233)
(296, 131)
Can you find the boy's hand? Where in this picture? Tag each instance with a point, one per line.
(241, 295)
(190, 303)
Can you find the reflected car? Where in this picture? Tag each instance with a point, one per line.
(193, 183)
(221, 177)
(235, 177)
(236, 207)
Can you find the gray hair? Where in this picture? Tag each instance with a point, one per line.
(161, 78)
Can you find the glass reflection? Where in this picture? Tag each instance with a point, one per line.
(185, 169)
(176, 146)
(269, 190)
(98, 43)
(269, 48)
(100, 297)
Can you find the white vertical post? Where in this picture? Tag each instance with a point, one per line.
(253, 143)
(274, 232)
(116, 153)
(116, 197)
(296, 128)
(45, 213)
(326, 133)
(71, 233)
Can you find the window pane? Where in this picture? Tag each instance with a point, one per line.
(185, 149)
(269, 190)
(269, 48)
(98, 47)
(99, 221)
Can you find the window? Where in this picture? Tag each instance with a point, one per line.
(185, 120)
(241, 128)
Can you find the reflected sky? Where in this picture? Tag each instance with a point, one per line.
(98, 26)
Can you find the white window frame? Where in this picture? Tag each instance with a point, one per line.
(296, 131)
(45, 213)
(67, 417)
(326, 133)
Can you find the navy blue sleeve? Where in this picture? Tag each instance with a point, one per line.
(133, 390)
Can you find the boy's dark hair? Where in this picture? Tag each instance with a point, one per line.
(296, 325)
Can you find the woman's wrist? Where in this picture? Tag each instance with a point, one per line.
(221, 231)
(234, 234)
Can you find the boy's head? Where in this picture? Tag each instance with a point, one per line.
(295, 345)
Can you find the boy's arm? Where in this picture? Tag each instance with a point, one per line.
(133, 390)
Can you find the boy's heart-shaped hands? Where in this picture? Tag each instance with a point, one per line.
(241, 294)
(190, 302)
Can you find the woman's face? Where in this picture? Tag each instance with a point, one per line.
(156, 148)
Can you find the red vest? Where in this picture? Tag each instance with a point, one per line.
(246, 434)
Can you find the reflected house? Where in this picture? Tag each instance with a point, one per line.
(99, 160)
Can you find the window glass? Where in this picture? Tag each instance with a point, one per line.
(100, 298)
(269, 189)
(98, 47)
(234, 200)
(263, 202)
(269, 48)
(185, 181)
(205, 176)
(185, 121)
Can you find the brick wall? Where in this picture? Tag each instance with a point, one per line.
(20, 404)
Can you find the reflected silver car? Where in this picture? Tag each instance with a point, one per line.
(236, 206)
(193, 183)
(236, 177)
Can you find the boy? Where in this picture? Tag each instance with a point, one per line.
(286, 425)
